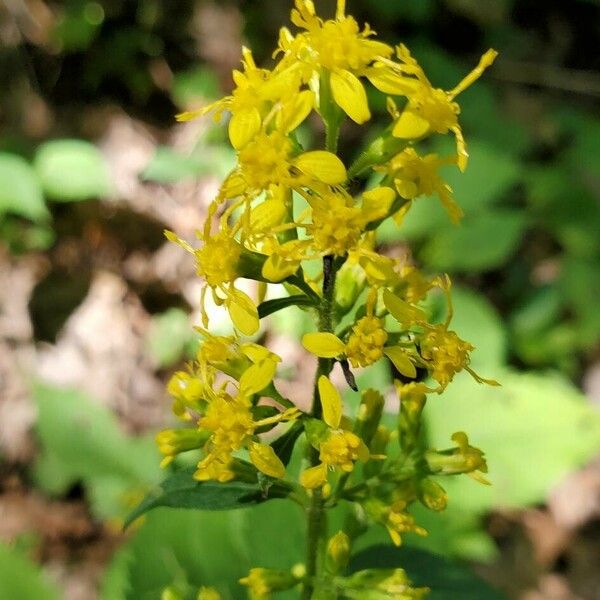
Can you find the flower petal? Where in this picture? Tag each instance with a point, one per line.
(401, 361)
(257, 377)
(263, 457)
(243, 126)
(314, 477)
(402, 311)
(322, 165)
(243, 313)
(325, 345)
(410, 126)
(349, 94)
(295, 111)
(331, 402)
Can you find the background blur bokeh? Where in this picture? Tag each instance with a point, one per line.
(96, 308)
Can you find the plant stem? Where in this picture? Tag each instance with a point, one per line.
(315, 512)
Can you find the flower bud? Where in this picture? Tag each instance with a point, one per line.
(369, 415)
(432, 494)
(207, 593)
(338, 552)
(350, 282)
(262, 582)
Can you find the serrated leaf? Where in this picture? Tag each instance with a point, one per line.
(447, 580)
(20, 189)
(534, 430)
(181, 490)
(479, 244)
(208, 548)
(72, 170)
(21, 579)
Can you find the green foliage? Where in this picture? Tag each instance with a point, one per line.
(20, 189)
(81, 441)
(169, 337)
(169, 166)
(22, 579)
(195, 548)
(181, 490)
(72, 170)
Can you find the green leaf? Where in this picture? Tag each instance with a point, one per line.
(81, 441)
(169, 166)
(21, 579)
(490, 174)
(477, 321)
(269, 307)
(72, 170)
(168, 337)
(189, 86)
(20, 189)
(447, 580)
(181, 490)
(212, 548)
(534, 429)
(482, 243)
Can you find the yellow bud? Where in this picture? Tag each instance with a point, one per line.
(338, 552)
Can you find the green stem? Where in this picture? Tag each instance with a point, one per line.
(316, 513)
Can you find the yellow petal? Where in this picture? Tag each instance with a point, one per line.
(257, 377)
(377, 202)
(401, 361)
(233, 186)
(314, 477)
(388, 82)
(243, 313)
(243, 126)
(331, 402)
(410, 126)
(276, 269)
(349, 94)
(295, 112)
(402, 311)
(484, 62)
(322, 165)
(268, 214)
(263, 457)
(325, 345)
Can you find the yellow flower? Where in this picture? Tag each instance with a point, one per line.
(262, 582)
(172, 442)
(338, 222)
(399, 521)
(268, 160)
(445, 353)
(187, 392)
(428, 109)
(464, 458)
(339, 449)
(337, 47)
(415, 176)
(256, 93)
(217, 262)
(366, 344)
(206, 593)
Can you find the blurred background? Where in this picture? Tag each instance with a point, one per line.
(96, 308)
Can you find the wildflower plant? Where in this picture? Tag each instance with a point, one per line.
(282, 206)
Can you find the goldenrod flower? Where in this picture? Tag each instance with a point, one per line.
(428, 109)
(415, 176)
(339, 449)
(256, 94)
(464, 458)
(335, 47)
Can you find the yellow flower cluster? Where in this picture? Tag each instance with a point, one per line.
(284, 205)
